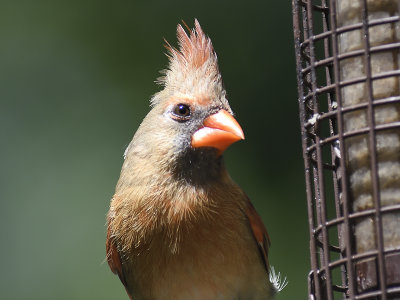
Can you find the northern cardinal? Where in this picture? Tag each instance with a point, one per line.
(178, 226)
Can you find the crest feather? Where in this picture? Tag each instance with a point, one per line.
(193, 67)
(195, 49)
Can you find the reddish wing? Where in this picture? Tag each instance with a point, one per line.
(113, 259)
(259, 232)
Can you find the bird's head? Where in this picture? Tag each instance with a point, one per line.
(191, 123)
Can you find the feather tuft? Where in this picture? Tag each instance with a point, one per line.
(193, 67)
(195, 49)
(277, 281)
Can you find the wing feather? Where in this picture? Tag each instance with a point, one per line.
(259, 232)
(113, 258)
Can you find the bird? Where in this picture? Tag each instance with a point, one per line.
(178, 226)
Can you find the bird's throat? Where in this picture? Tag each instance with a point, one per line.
(198, 167)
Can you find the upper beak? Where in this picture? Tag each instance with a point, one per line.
(220, 131)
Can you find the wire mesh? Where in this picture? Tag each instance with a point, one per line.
(348, 58)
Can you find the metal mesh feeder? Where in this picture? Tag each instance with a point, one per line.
(348, 72)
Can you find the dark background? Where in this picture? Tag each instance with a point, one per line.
(75, 80)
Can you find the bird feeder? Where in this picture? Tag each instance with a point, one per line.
(348, 73)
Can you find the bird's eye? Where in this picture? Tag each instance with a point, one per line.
(181, 112)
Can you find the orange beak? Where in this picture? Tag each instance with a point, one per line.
(220, 131)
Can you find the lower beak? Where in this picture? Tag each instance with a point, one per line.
(220, 131)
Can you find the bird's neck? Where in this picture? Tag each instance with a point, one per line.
(166, 201)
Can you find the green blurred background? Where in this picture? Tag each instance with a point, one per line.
(75, 80)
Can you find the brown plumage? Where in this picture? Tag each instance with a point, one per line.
(178, 226)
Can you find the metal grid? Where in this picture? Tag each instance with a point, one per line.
(348, 58)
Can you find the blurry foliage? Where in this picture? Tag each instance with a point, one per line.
(76, 78)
